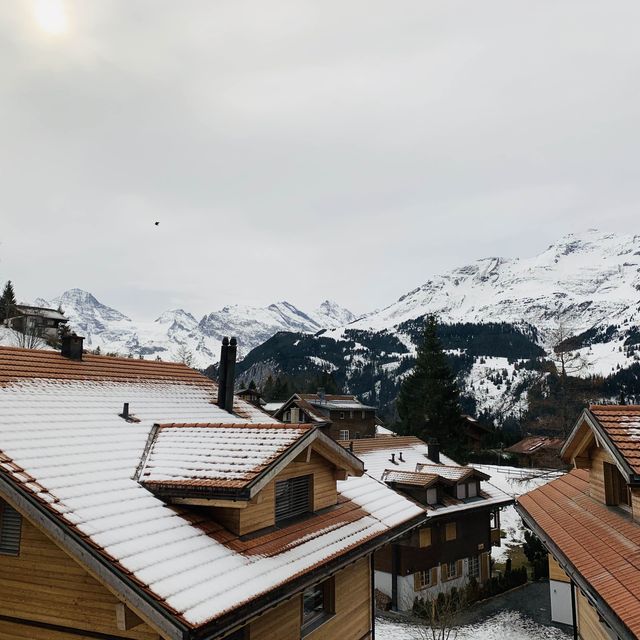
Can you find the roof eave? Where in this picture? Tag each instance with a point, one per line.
(96, 564)
(612, 618)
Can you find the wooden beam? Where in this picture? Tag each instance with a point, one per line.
(341, 474)
(125, 618)
(211, 502)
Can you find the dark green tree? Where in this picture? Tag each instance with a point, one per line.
(7, 302)
(252, 385)
(427, 403)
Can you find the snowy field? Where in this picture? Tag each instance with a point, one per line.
(507, 625)
(515, 482)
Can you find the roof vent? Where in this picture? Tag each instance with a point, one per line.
(400, 456)
(72, 347)
(393, 458)
(125, 415)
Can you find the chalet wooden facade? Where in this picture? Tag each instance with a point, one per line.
(133, 506)
(589, 522)
(462, 519)
(341, 417)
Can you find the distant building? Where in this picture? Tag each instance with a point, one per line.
(462, 519)
(252, 396)
(540, 452)
(342, 417)
(588, 522)
(475, 432)
(38, 321)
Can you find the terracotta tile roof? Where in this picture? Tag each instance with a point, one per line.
(364, 445)
(602, 544)
(410, 477)
(622, 425)
(533, 444)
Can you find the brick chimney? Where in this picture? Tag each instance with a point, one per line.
(72, 347)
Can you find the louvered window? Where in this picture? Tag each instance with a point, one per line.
(10, 526)
(293, 498)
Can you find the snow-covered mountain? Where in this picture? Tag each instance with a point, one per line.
(114, 332)
(586, 285)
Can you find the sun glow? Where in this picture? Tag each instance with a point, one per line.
(51, 16)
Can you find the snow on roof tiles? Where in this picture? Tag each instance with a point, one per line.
(215, 455)
(62, 439)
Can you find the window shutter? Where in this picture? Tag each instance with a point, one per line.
(10, 527)
(484, 567)
(293, 497)
(459, 568)
(434, 576)
(450, 531)
(425, 537)
(444, 573)
(416, 581)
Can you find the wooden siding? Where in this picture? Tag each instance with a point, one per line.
(260, 513)
(44, 584)
(589, 625)
(556, 572)
(598, 456)
(13, 631)
(635, 504)
(352, 619)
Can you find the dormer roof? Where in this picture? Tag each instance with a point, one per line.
(452, 473)
(230, 461)
(410, 478)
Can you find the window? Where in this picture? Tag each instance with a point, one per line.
(351, 414)
(287, 416)
(342, 415)
(425, 537)
(451, 532)
(474, 567)
(494, 520)
(432, 496)
(424, 579)
(293, 498)
(461, 492)
(615, 486)
(363, 414)
(317, 605)
(344, 434)
(472, 489)
(10, 528)
(452, 569)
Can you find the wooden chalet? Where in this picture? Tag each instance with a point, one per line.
(462, 519)
(132, 506)
(588, 521)
(38, 321)
(541, 452)
(341, 417)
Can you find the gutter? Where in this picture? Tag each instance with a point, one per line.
(273, 598)
(612, 619)
(87, 556)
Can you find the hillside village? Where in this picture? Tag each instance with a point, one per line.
(319, 320)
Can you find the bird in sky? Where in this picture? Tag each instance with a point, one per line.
(157, 223)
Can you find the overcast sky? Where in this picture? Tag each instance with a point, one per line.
(305, 150)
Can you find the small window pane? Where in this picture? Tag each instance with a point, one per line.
(344, 434)
(460, 492)
(474, 567)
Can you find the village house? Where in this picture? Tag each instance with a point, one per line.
(540, 452)
(588, 522)
(37, 321)
(462, 519)
(140, 500)
(341, 417)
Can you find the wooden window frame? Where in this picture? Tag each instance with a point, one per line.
(616, 489)
(475, 561)
(328, 590)
(420, 583)
(343, 431)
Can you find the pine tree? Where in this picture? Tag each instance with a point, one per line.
(7, 302)
(428, 399)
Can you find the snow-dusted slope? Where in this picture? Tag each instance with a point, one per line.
(177, 329)
(584, 280)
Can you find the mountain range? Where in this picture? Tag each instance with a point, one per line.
(177, 331)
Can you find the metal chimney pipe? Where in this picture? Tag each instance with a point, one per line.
(222, 373)
(231, 374)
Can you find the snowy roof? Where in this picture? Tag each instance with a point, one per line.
(454, 473)
(63, 442)
(335, 402)
(215, 456)
(45, 312)
(375, 453)
(272, 407)
(531, 444)
(410, 477)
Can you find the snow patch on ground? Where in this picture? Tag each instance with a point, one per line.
(506, 624)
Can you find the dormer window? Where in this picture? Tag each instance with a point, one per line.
(293, 498)
(616, 489)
